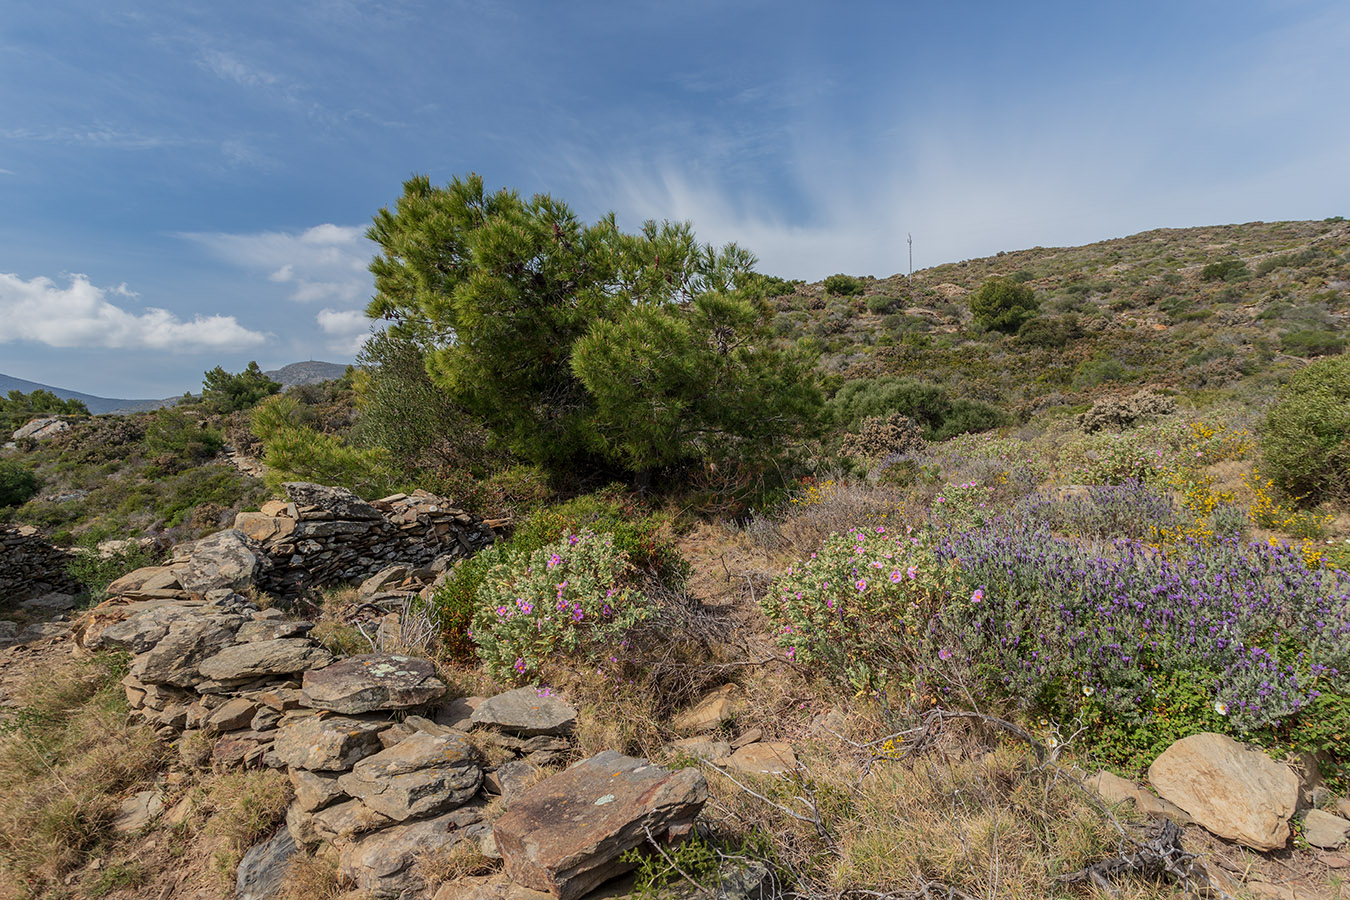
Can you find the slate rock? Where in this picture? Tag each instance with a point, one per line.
(768, 758)
(148, 583)
(383, 863)
(1234, 792)
(41, 429)
(260, 629)
(526, 713)
(342, 503)
(232, 715)
(137, 811)
(565, 834)
(49, 603)
(136, 626)
(710, 712)
(372, 681)
(1324, 830)
(327, 744)
(423, 774)
(175, 657)
(282, 656)
(348, 818)
(227, 559)
(314, 791)
(702, 747)
(384, 580)
(264, 866)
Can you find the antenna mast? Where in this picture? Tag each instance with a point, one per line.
(910, 239)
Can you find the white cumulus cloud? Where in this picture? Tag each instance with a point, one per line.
(81, 315)
(347, 328)
(323, 264)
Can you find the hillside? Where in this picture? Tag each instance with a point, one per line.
(310, 372)
(1130, 311)
(96, 405)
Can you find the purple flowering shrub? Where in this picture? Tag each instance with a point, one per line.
(853, 608)
(574, 598)
(1130, 509)
(1265, 635)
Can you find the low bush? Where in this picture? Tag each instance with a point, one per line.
(843, 286)
(1122, 412)
(18, 483)
(1002, 304)
(881, 304)
(879, 437)
(570, 600)
(180, 439)
(1305, 445)
(1308, 343)
(95, 570)
(1230, 269)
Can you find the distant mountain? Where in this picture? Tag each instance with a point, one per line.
(311, 372)
(96, 405)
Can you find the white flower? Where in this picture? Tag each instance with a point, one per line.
(1087, 690)
(1220, 707)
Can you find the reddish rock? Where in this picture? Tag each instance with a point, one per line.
(564, 835)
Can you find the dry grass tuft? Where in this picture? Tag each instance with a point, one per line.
(64, 760)
(245, 808)
(971, 819)
(452, 863)
(311, 878)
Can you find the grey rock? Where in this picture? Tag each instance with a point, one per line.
(1324, 830)
(229, 716)
(137, 811)
(226, 559)
(174, 658)
(423, 774)
(526, 713)
(264, 866)
(565, 835)
(372, 681)
(314, 791)
(281, 656)
(49, 603)
(384, 580)
(42, 631)
(260, 629)
(343, 820)
(144, 624)
(41, 429)
(327, 744)
(382, 863)
(342, 503)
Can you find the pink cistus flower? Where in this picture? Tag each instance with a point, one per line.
(944, 654)
(912, 572)
(520, 665)
(896, 576)
(861, 584)
(977, 596)
(554, 560)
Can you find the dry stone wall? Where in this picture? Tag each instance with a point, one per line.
(30, 566)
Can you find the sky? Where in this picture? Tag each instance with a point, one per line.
(187, 184)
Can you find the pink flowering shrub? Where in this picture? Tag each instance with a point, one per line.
(860, 607)
(965, 505)
(572, 598)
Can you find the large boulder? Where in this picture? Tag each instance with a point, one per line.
(372, 681)
(339, 501)
(135, 626)
(525, 712)
(175, 657)
(421, 775)
(565, 834)
(1233, 791)
(282, 656)
(148, 583)
(263, 868)
(383, 863)
(41, 429)
(327, 743)
(227, 559)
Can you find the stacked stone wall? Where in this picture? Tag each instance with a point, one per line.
(30, 566)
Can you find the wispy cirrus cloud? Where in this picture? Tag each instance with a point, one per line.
(347, 330)
(326, 263)
(80, 314)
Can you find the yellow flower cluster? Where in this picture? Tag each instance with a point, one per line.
(1212, 443)
(1267, 511)
(817, 493)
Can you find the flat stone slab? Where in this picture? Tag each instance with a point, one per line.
(372, 681)
(421, 775)
(281, 656)
(768, 758)
(565, 834)
(263, 868)
(1237, 793)
(327, 743)
(526, 713)
(1325, 830)
(383, 863)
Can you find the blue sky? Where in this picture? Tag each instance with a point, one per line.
(187, 184)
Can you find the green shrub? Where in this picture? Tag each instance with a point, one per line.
(181, 438)
(575, 598)
(969, 417)
(843, 286)
(1098, 370)
(225, 393)
(18, 483)
(929, 405)
(295, 452)
(1306, 442)
(1230, 269)
(1311, 342)
(17, 408)
(94, 571)
(881, 304)
(1002, 304)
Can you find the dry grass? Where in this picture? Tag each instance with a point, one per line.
(971, 816)
(245, 808)
(311, 878)
(453, 863)
(65, 759)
